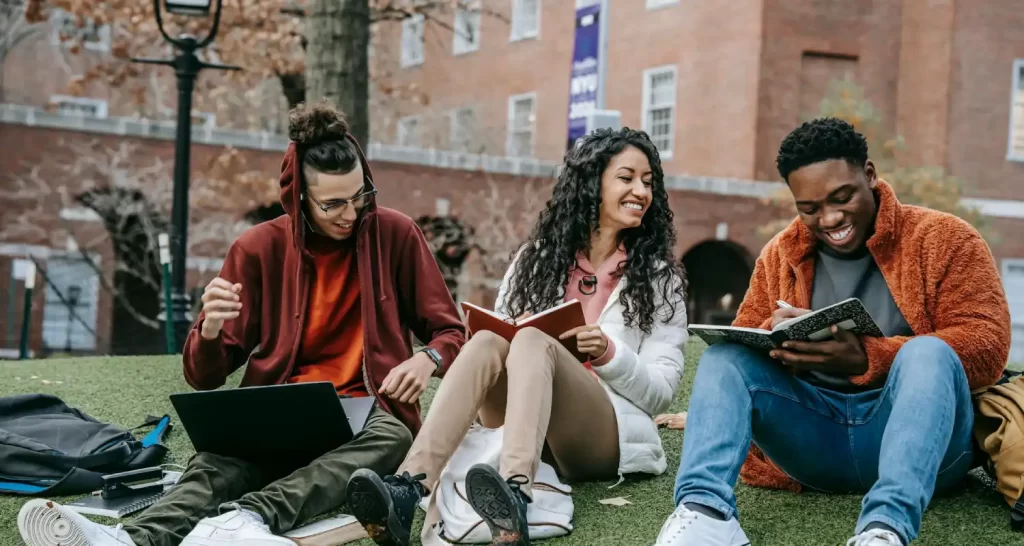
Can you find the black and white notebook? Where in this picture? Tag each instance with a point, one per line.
(848, 314)
(120, 507)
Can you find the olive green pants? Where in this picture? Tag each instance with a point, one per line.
(284, 497)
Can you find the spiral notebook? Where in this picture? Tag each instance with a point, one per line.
(118, 508)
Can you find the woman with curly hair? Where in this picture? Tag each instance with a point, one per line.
(606, 239)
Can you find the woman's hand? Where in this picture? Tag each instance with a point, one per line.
(589, 339)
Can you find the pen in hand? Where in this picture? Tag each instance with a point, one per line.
(783, 305)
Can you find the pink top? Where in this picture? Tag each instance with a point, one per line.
(600, 282)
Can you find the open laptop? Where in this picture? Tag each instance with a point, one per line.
(296, 422)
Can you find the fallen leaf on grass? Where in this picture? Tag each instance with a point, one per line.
(616, 501)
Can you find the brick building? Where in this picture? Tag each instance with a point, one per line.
(717, 84)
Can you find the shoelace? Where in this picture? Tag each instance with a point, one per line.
(866, 537)
(516, 483)
(252, 516)
(406, 479)
(684, 517)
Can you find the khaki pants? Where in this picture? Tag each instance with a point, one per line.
(539, 392)
(283, 496)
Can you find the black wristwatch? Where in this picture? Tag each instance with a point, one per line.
(435, 356)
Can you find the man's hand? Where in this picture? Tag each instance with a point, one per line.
(589, 339)
(675, 421)
(844, 355)
(407, 381)
(220, 302)
(786, 313)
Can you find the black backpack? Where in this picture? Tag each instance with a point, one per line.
(48, 448)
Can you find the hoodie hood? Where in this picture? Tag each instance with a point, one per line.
(291, 191)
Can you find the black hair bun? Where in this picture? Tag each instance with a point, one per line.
(311, 124)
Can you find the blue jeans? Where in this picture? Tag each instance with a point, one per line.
(899, 443)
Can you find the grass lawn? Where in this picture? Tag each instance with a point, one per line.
(124, 390)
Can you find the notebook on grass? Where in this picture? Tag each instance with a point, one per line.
(553, 322)
(120, 507)
(848, 314)
(340, 529)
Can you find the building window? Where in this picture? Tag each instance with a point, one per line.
(79, 106)
(409, 132)
(412, 40)
(467, 30)
(69, 314)
(70, 33)
(521, 120)
(462, 129)
(654, 4)
(659, 107)
(1016, 146)
(525, 19)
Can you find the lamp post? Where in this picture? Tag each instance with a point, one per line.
(186, 67)
(71, 300)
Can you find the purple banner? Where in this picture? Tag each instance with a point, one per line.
(584, 81)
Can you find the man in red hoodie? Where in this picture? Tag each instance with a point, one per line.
(332, 291)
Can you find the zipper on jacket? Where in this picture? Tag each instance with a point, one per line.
(299, 317)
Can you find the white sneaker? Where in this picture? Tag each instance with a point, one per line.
(236, 527)
(684, 527)
(876, 537)
(46, 523)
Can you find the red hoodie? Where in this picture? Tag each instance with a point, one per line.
(402, 289)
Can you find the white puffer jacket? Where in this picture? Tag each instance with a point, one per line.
(641, 378)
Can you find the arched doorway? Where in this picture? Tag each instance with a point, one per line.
(718, 273)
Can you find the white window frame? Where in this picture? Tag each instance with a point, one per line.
(57, 18)
(402, 132)
(100, 104)
(658, 4)
(455, 128)
(460, 42)
(517, 31)
(1016, 89)
(648, 75)
(510, 130)
(411, 47)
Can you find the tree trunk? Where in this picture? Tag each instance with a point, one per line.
(337, 67)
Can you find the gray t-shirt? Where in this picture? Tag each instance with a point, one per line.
(838, 278)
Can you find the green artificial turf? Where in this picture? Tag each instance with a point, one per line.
(124, 390)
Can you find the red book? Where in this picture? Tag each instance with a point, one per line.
(553, 322)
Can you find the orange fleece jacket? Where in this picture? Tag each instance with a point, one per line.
(942, 277)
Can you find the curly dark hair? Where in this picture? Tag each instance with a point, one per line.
(570, 219)
(820, 140)
(319, 131)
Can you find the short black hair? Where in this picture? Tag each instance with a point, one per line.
(820, 140)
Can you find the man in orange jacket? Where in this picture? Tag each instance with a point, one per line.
(890, 416)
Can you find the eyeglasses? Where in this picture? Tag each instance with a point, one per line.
(334, 206)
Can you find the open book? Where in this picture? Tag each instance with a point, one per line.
(848, 314)
(553, 322)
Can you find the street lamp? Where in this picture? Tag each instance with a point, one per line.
(74, 293)
(186, 67)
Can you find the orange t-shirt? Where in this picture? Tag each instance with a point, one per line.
(332, 340)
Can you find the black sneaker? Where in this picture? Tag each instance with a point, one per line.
(501, 504)
(385, 507)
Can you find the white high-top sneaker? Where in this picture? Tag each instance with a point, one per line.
(684, 527)
(876, 537)
(46, 523)
(236, 527)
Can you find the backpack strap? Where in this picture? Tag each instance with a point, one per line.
(73, 483)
